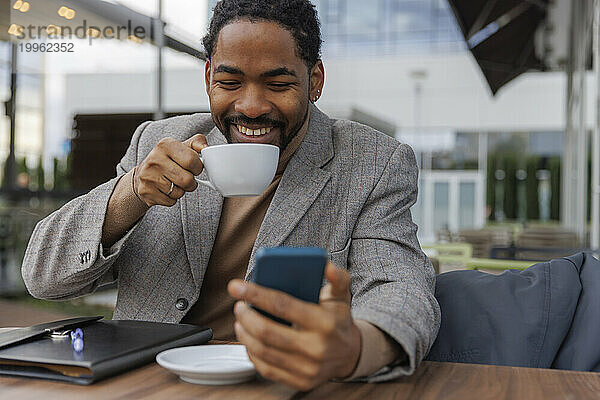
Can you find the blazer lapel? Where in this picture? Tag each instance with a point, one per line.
(201, 212)
(300, 185)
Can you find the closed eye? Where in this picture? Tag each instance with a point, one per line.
(280, 85)
(229, 84)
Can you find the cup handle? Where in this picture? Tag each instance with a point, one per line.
(205, 183)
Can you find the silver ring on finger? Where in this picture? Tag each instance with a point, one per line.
(171, 189)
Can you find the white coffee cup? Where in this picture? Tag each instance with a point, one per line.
(239, 169)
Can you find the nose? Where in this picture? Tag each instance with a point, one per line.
(253, 103)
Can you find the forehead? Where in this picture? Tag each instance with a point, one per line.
(256, 45)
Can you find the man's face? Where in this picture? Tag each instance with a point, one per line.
(257, 85)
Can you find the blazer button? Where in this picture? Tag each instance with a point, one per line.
(181, 304)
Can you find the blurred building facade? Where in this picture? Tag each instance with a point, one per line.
(29, 133)
(384, 27)
(403, 62)
(408, 64)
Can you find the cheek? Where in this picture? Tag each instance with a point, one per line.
(292, 106)
(219, 101)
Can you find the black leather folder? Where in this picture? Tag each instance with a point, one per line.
(109, 347)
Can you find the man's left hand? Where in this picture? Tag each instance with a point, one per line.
(324, 343)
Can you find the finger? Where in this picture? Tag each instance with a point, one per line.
(303, 314)
(149, 189)
(176, 193)
(338, 287)
(197, 142)
(274, 373)
(184, 156)
(291, 362)
(273, 333)
(181, 177)
(157, 198)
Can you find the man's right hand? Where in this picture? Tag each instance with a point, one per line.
(169, 161)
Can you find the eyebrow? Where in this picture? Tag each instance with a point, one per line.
(278, 72)
(228, 70)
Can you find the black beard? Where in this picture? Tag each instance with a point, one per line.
(241, 119)
(286, 139)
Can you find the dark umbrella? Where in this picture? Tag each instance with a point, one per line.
(501, 35)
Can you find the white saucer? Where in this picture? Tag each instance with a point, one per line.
(209, 364)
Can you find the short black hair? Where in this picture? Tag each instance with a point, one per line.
(299, 17)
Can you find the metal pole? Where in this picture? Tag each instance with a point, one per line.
(567, 215)
(595, 233)
(160, 42)
(419, 76)
(582, 133)
(12, 108)
(585, 44)
(575, 168)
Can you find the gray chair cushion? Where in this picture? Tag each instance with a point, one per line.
(518, 318)
(581, 348)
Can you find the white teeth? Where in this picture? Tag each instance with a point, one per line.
(253, 132)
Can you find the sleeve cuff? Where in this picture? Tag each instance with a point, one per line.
(377, 351)
(400, 334)
(112, 251)
(115, 248)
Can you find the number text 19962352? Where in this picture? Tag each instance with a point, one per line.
(46, 47)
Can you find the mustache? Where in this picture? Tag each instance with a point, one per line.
(243, 120)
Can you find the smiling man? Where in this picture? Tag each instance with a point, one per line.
(183, 253)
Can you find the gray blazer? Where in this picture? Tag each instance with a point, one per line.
(348, 189)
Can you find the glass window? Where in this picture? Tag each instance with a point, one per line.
(4, 70)
(466, 211)
(363, 21)
(29, 93)
(546, 143)
(4, 82)
(30, 106)
(441, 204)
(384, 27)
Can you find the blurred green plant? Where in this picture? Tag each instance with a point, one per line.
(40, 176)
(60, 174)
(531, 188)
(35, 178)
(513, 163)
(555, 181)
(510, 186)
(490, 187)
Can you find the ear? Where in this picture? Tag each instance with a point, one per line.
(317, 80)
(207, 70)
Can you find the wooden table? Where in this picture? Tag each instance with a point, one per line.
(432, 380)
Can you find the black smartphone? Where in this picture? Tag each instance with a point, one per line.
(297, 271)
